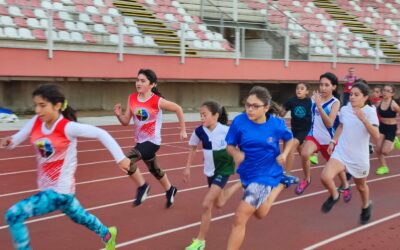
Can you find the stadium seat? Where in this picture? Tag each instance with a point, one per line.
(64, 36)
(138, 40)
(6, 21)
(89, 38)
(15, 11)
(11, 32)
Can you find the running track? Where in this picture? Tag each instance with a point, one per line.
(295, 222)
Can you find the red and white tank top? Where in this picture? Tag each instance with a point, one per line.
(56, 156)
(147, 117)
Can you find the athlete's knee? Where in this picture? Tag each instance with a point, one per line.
(362, 187)
(305, 154)
(134, 155)
(13, 215)
(207, 205)
(154, 169)
(325, 176)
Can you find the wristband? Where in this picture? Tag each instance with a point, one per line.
(333, 141)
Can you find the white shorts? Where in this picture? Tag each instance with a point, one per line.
(358, 171)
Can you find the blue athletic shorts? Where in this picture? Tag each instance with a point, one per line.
(219, 180)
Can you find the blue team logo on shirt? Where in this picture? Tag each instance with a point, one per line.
(142, 114)
(300, 111)
(270, 139)
(44, 147)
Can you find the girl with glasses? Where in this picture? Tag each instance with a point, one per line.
(253, 142)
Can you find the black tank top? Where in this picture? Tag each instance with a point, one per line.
(388, 113)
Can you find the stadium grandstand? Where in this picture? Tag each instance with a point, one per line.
(200, 49)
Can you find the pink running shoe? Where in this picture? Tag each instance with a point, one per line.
(346, 194)
(302, 186)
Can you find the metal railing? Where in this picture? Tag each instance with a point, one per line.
(306, 45)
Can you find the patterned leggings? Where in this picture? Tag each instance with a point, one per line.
(46, 202)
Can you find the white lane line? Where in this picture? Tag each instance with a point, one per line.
(116, 138)
(111, 205)
(182, 191)
(90, 150)
(94, 181)
(92, 163)
(173, 230)
(352, 231)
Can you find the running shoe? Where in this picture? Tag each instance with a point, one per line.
(302, 186)
(348, 176)
(170, 194)
(396, 143)
(288, 180)
(314, 159)
(110, 244)
(382, 170)
(141, 195)
(371, 148)
(347, 194)
(197, 245)
(328, 204)
(365, 215)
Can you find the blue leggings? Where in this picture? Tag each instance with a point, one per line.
(46, 202)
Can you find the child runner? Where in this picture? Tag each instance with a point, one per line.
(53, 132)
(300, 110)
(146, 106)
(376, 96)
(253, 141)
(358, 122)
(387, 111)
(325, 107)
(218, 165)
(349, 80)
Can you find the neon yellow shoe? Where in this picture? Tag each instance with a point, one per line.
(110, 245)
(314, 159)
(396, 143)
(197, 245)
(382, 170)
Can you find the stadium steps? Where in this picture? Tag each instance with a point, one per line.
(388, 48)
(151, 26)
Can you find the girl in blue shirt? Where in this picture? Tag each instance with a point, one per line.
(253, 142)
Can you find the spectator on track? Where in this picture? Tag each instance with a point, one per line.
(349, 80)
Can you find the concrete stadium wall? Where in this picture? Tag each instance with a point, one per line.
(103, 95)
(16, 95)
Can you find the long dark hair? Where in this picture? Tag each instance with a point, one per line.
(364, 89)
(52, 93)
(152, 77)
(263, 94)
(334, 81)
(215, 108)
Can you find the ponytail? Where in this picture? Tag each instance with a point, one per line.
(223, 116)
(215, 108)
(275, 109)
(156, 91)
(70, 114)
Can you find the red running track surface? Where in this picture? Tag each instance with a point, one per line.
(295, 222)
